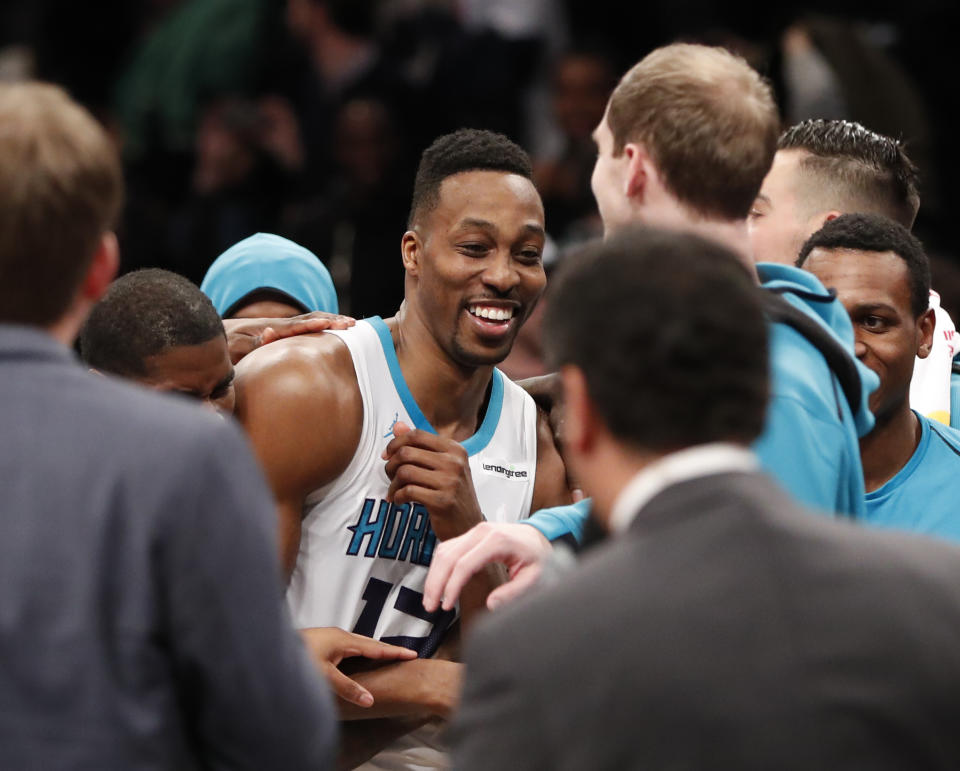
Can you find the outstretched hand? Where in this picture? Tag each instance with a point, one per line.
(246, 335)
(328, 646)
(518, 546)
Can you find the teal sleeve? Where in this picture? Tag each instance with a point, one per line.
(561, 521)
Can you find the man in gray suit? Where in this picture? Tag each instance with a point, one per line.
(141, 625)
(720, 626)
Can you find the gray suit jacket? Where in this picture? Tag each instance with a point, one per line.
(141, 617)
(727, 629)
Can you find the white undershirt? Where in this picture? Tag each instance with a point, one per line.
(681, 466)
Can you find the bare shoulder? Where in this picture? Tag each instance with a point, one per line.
(300, 403)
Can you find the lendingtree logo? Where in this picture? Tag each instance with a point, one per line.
(510, 472)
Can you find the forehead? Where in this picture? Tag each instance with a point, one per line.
(507, 200)
(190, 367)
(784, 173)
(862, 277)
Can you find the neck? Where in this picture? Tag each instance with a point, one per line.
(613, 466)
(888, 448)
(450, 395)
(67, 327)
(733, 234)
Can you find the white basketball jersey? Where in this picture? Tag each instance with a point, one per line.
(363, 561)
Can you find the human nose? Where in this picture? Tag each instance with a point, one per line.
(859, 349)
(501, 273)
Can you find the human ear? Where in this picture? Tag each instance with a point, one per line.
(926, 326)
(410, 247)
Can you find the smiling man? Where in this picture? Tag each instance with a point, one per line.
(385, 438)
(158, 329)
(881, 275)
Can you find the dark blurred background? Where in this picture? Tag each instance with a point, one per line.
(306, 118)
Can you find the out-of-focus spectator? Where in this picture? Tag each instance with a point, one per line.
(267, 276)
(582, 82)
(357, 221)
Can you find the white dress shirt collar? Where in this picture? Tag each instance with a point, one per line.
(681, 466)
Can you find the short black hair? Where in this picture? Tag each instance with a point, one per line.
(142, 314)
(669, 333)
(873, 233)
(872, 169)
(463, 150)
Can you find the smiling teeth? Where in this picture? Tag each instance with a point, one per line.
(492, 314)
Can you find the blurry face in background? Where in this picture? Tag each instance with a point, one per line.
(202, 372)
(581, 87)
(365, 147)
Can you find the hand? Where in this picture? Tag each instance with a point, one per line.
(328, 646)
(434, 471)
(518, 546)
(246, 335)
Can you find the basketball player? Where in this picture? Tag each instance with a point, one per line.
(385, 438)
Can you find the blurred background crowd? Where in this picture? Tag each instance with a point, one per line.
(305, 118)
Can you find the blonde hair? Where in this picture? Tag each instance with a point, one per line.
(61, 189)
(708, 121)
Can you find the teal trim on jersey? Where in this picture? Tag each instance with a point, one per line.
(491, 418)
(921, 497)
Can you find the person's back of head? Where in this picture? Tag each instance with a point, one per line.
(61, 190)
(707, 119)
(849, 168)
(157, 328)
(668, 332)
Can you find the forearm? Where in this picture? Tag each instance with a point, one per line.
(421, 688)
(360, 740)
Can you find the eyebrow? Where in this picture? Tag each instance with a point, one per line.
(472, 222)
(871, 307)
(762, 197)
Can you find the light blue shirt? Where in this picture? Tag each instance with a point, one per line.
(923, 496)
(810, 443)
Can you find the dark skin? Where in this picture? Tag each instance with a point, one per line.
(874, 288)
(474, 273)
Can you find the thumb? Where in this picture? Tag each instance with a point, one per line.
(400, 428)
(269, 335)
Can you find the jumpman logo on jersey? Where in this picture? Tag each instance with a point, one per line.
(396, 419)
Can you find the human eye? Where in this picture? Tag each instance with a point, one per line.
(473, 248)
(874, 323)
(530, 254)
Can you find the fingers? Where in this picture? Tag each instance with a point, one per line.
(518, 585)
(445, 559)
(416, 437)
(360, 645)
(413, 456)
(347, 689)
(492, 548)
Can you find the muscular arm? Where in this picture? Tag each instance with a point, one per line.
(299, 402)
(287, 394)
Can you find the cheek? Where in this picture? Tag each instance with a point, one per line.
(226, 404)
